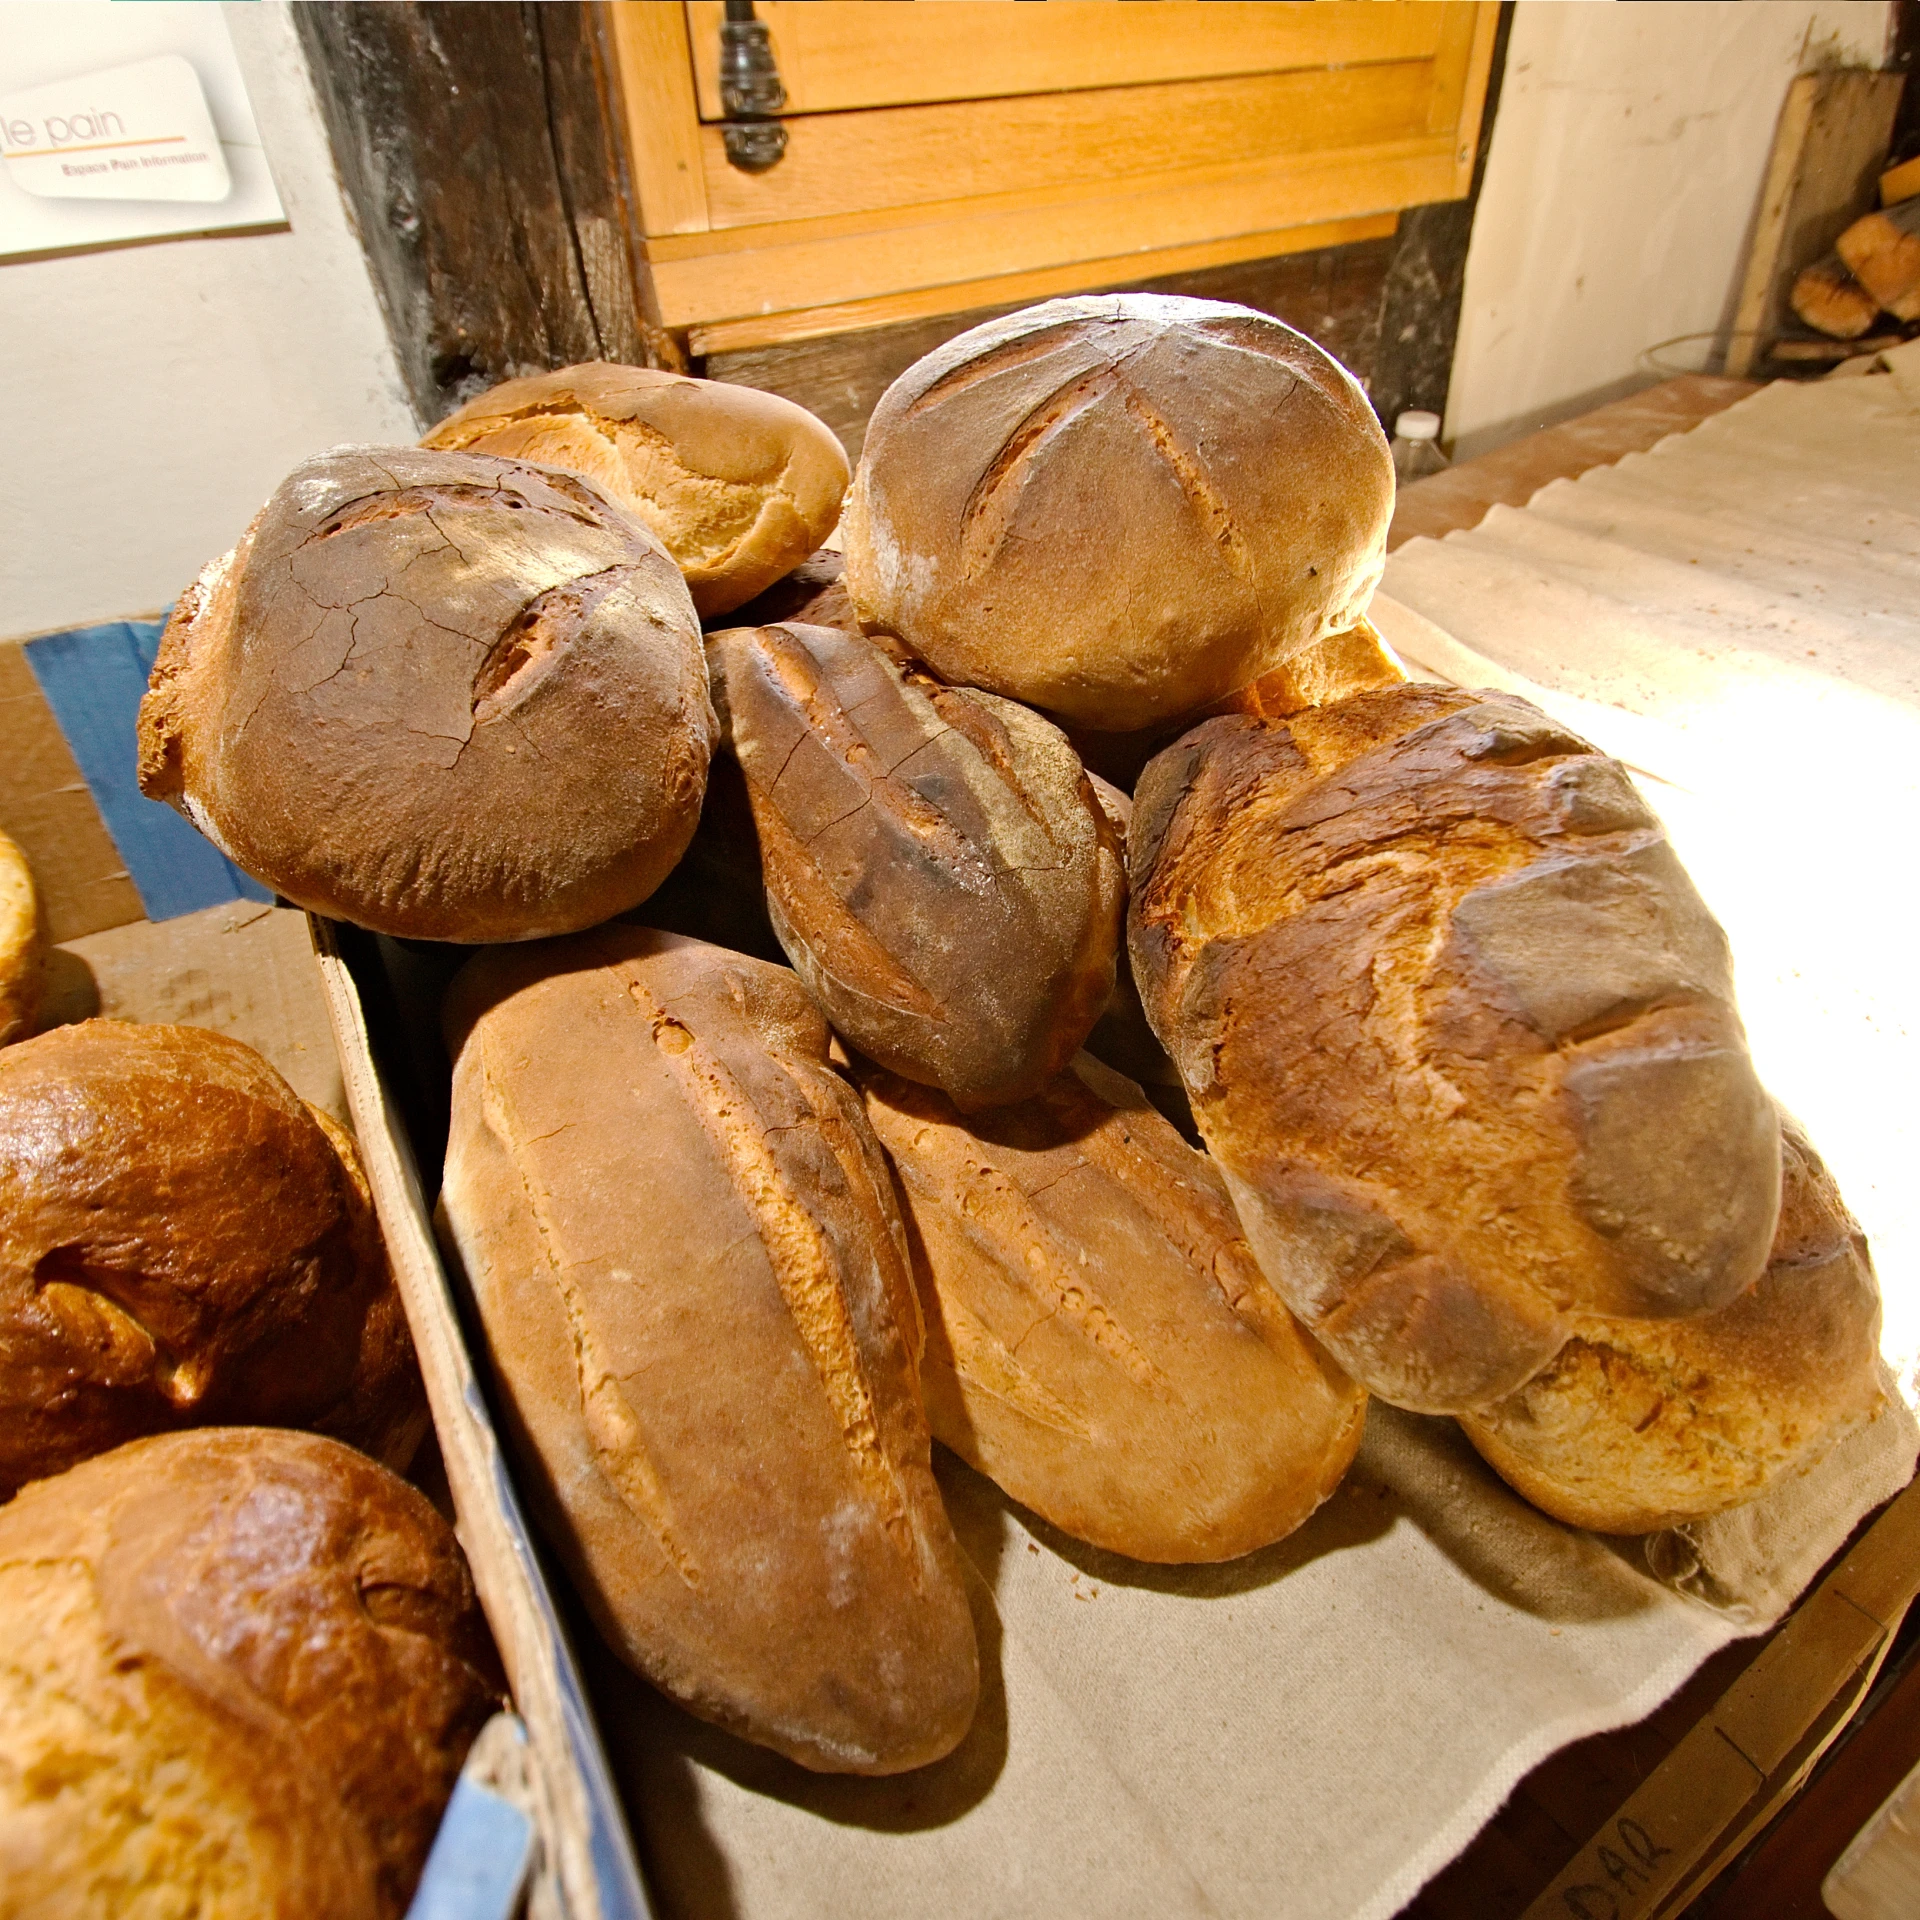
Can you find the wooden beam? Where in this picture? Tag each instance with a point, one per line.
(481, 152)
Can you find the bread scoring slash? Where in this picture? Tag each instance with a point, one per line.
(1458, 1029)
(692, 1278)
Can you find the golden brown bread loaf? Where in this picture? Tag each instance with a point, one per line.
(184, 1243)
(937, 867)
(1636, 1425)
(1457, 1028)
(683, 1240)
(443, 696)
(1100, 1342)
(1354, 660)
(239, 1670)
(814, 594)
(739, 485)
(1118, 507)
(22, 945)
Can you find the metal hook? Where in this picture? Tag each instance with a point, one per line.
(751, 93)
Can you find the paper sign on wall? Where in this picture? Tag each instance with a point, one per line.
(124, 123)
(139, 132)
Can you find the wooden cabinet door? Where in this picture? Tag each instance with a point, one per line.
(953, 153)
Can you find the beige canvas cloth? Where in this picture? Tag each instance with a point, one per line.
(1316, 1730)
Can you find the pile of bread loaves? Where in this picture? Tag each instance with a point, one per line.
(824, 1149)
(242, 1657)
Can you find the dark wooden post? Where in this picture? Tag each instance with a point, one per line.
(481, 152)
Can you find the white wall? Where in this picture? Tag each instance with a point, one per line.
(154, 396)
(1626, 164)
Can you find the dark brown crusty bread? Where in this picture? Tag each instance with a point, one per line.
(1641, 1424)
(1457, 1028)
(444, 696)
(738, 485)
(937, 866)
(184, 1243)
(1100, 1341)
(814, 594)
(239, 1671)
(1118, 507)
(684, 1244)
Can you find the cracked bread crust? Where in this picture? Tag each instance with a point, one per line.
(22, 945)
(690, 1267)
(1100, 1341)
(446, 697)
(183, 1242)
(1118, 508)
(1636, 1425)
(240, 1672)
(937, 867)
(740, 486)
(1457, 1028)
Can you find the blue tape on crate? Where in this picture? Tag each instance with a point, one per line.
(479, 1861)
(93, 678)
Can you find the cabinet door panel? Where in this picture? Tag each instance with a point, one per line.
(835, 55)
(1064, 143)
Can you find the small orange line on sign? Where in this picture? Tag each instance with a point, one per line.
(99, 146)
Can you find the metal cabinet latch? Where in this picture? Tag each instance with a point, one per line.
(750, 92)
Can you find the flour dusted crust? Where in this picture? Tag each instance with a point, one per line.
(441, 695)
(1119, 508)
(937, 867)
(689, 1264)
(183, 1242)
(22, 945)
(239, 1670)
(1637, 1425)
(1457, 1028)
(1100, 1340)
(739, 485)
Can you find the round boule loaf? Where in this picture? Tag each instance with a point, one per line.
(1100, 1341)
(1458, 1029)
(241, 1671)
(1635, 1425)
(739, 485)
(22, 945)
(1119, 508)
(937, 866)
(183, 1242)
(442, 695)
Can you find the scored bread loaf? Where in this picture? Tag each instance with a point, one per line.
(690, 1268)
(1635, 1425)
(241, 1669)
(1118, 507)
(444, 696)
(1100, 1342)
(22, 945)
(184, 1242)
(1458, 1029)
(937, 867)
(739, 485)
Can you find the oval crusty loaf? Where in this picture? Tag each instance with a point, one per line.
(1120, 507)
(443, 696)
(684, 1244)
(937, 868)
(1458, 1029)
(22, 945)
(1099, 1340)
(1641, 1424)
(241, 1671)
(739, 485)
(182, 1243)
